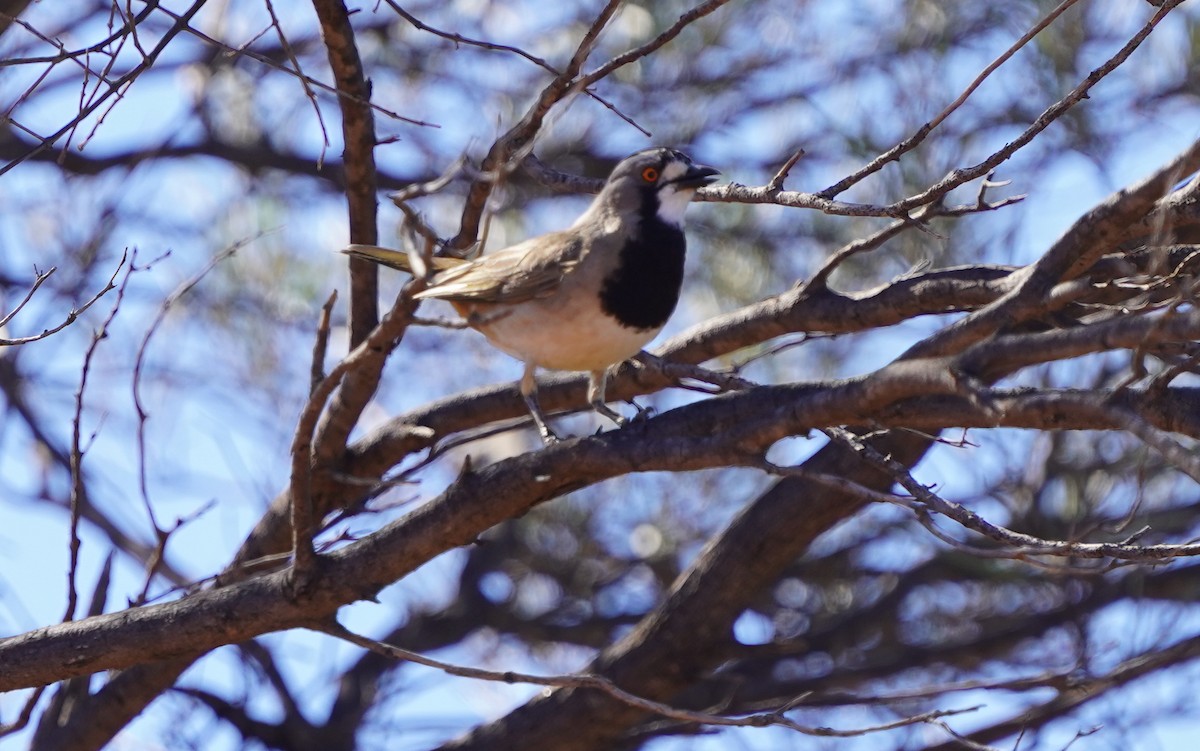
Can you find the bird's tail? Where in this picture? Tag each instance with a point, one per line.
(395, 259)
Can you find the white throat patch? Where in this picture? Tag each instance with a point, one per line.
(673, 199)
(672, 203)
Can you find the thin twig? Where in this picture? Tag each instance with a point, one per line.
(78, 490)
(71, 317)
(1016, 545)
(677, 371)
(413, 221)
(779, 347)
(379, 342)
(695, 14)
(321, 345)
(321, 85)
(104, 75)
(1050, 115)
(159, 555)
(776, 182)
(507, 152)
(286, 46)
(140, 361)
(182, 22)
(40, 279)
(25, 714)
(915, 139)
(541, 63)
(600, 683)
(820, 279)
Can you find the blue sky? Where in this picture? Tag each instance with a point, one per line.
(210, 447)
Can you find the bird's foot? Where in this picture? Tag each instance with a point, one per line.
(548, 436)
(616, 417)
(643, 413)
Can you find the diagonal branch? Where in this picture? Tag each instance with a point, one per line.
(516, 141)
(893, 154)
(1049, 116)
(689, 17)
(1092, 235)
(114, 88)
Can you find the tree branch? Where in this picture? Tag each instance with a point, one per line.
(358, 133)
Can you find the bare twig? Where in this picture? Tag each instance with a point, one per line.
(1019, 545)
(321, 344)
(1075, 251)
(24, 715)
(820, 279)
(182, 22)
(78, 491)
(139, 364)
(41, 277)
(778, 347)
(367, 357)
(600, 683)
(71, 317)
(1050, 115)
(915, 139)
(102, 77)
(413, 221)
(686, 19)
(776, 182)
(764, 194)
(159, 556)
(77, 56)
(509, 149)
(299, 72)
(540, 62)
(310, 81)
(678, 371)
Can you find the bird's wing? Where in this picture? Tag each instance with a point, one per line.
(534, 268)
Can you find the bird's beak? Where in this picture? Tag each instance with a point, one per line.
(698, 175)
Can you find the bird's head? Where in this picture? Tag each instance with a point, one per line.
(656, 181)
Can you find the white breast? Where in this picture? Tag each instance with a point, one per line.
(564, 334)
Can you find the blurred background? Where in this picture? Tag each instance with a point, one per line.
(191, 397)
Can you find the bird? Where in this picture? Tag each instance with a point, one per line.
(585, 298)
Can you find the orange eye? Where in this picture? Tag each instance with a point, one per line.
(650, 174)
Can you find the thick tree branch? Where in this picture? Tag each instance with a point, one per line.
(712, 433)
(1093, 234)
(358, 133)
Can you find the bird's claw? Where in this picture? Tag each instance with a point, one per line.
(643, 413)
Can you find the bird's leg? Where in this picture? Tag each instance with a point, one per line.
(642, 361)
(529, 393)
(597, 385)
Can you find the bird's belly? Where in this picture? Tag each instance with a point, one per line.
(558, 339)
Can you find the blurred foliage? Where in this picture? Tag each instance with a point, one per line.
(212, 148)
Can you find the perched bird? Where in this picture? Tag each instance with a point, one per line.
(585, 298)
